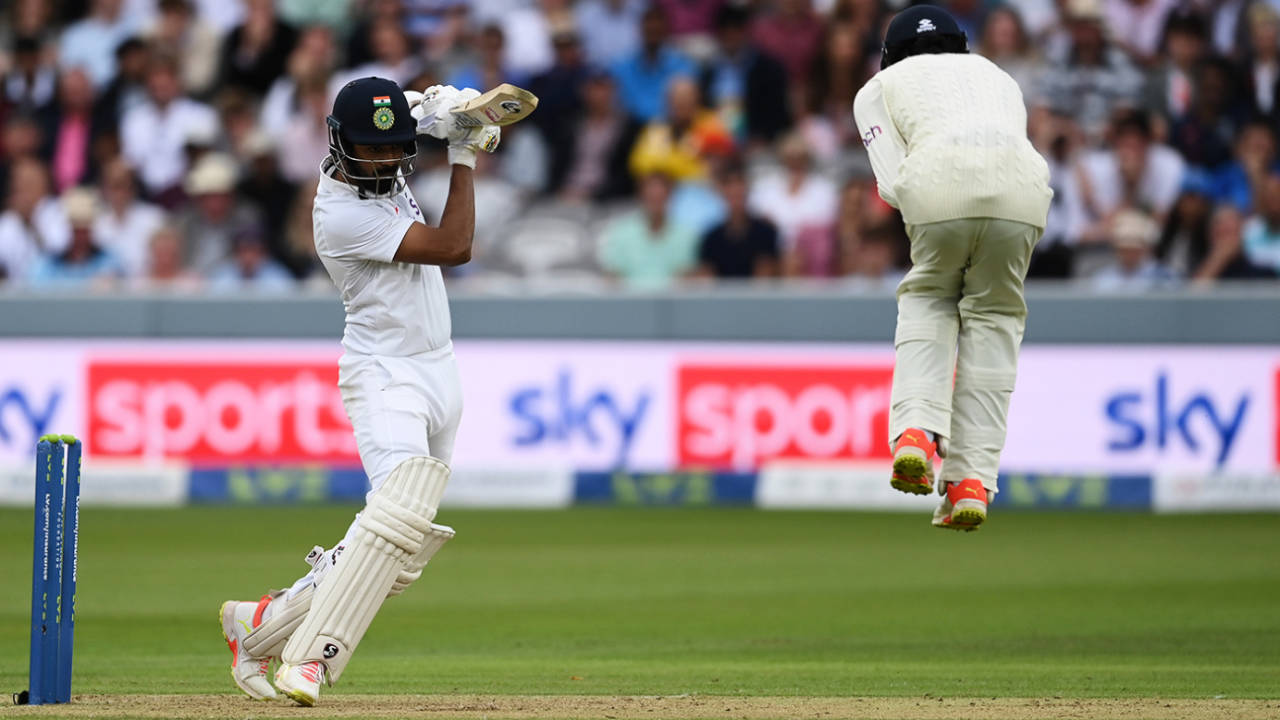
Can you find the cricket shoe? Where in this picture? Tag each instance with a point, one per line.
(964, 507)
(301, 683)
(913, 462)
(251, 674)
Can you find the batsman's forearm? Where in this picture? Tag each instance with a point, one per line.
(458, 221)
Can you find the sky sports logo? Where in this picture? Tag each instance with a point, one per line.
(739, 416)
(214, 413)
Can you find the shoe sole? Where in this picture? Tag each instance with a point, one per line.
(911, 475)
(222, 620)
(300, 697)
(967, 517)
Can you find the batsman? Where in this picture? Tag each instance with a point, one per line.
(397, 375)
(946, 133)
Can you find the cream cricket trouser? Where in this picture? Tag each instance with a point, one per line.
(400, 407)
(961, 314)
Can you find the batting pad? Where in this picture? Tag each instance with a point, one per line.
(437, 537)
(268, 639)
(393, 529)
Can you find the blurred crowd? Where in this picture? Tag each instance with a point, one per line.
(177, 143)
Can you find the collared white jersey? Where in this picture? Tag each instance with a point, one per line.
(947, 138)
(393, 308)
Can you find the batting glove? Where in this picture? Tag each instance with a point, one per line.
(464, 143)
(432, 110)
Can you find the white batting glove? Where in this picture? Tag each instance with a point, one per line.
(432, 111)
(464, 144)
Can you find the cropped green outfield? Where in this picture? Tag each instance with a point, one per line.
(708, 602)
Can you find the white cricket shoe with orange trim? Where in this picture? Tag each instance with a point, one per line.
(301, 683)
(252, 675)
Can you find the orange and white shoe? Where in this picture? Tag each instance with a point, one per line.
(251, 674)
(301, 683)
(913, 462)
(964, 507)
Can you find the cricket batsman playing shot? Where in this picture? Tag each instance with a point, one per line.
(397, 375)
(946, 132)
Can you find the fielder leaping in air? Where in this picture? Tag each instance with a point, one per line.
(397, 375)
(947, 135)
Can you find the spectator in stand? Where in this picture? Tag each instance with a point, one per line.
(680, 144)
(559, 89)
(299, 237)
(1169, 86)
(487, 68)
(1143, 22)
(1184, 242)
(1005, 43)
(359, 47)
(128, 89)
(643, 78)
(393, 58)
(873, 261)
(215, 215)
(745, 245)
(153, 135)
(821, 252)
(593, 163)
(1205, 134)
(791, 32)
(610, 29)
(1133, 268)
(837, 75)
(1262, 62)
(250, 267)
(1136, 172)
(312, 61)
(84, 264)
(164, 266)
(1254, 158)
(1090, 79)
(528, 29)
(254, 54)
(91, 42)
(21, 140)
(28, 18)
(33, 224)
(1262, 231)
(646, 249)
(304, 142)
(1226, 259)
(178, 32)
(70, 130)
(746, 87)
(796, 197)
(32, 78)
(124, 223)
(264, 188)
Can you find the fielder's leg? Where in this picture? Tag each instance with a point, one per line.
(992, 318)
(924, 351)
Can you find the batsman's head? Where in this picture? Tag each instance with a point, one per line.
(921, 30)
(372, 137)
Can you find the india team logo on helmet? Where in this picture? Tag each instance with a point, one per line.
(383, 118)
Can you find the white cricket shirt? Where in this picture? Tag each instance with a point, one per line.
(393, 308)
(947, 138)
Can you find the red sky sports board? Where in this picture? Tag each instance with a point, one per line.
(736, 416)
(218, 412)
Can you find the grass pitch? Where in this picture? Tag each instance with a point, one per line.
(711, 602)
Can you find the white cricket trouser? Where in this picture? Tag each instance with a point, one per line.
(400, 407)
(961, 315)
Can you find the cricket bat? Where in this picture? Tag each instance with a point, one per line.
(503, 105)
